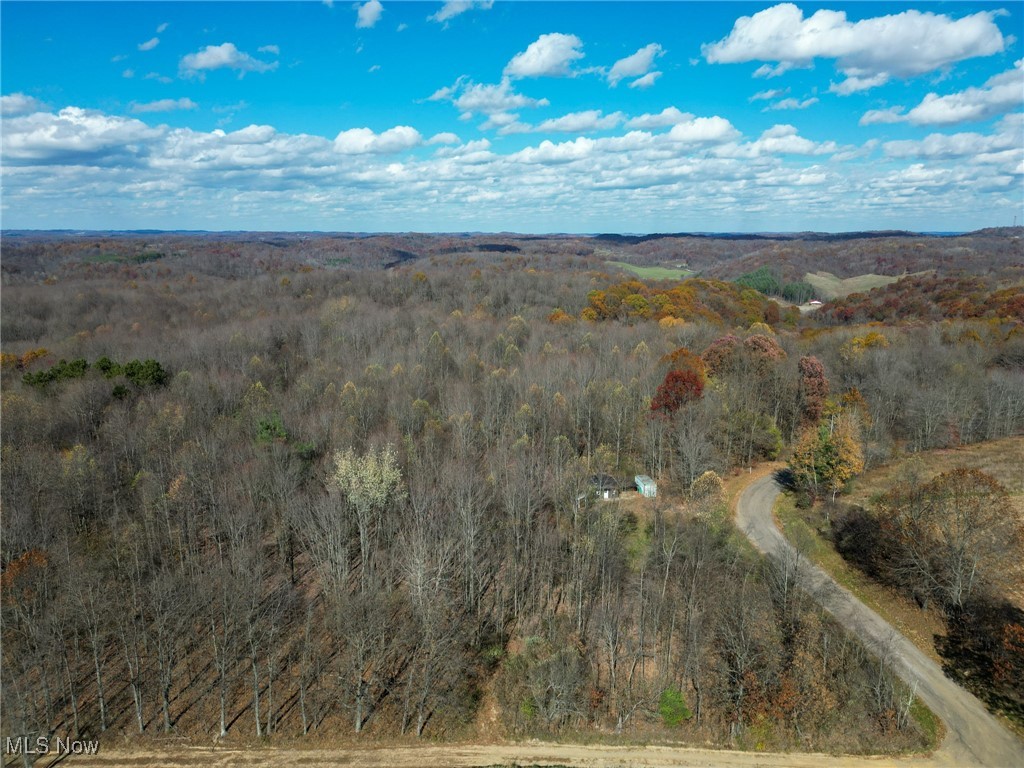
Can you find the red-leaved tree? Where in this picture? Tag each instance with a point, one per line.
(813, 389)
(678, 389)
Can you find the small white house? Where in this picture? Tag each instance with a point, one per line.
(646, 486)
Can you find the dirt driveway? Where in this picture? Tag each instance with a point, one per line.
(466, 755)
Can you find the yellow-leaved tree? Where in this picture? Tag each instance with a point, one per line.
(368, 483)
(828, 456)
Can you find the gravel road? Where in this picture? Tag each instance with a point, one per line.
(973, 736)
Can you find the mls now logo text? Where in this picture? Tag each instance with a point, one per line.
(44, 745)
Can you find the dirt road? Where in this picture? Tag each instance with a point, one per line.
(477, 755)
(973, 736)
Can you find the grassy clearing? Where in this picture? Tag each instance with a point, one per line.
(929, 722)
(652, 273)
(828, 286)
(1003, 459)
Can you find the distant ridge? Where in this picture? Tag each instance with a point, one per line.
(778, 236)
(612, 237)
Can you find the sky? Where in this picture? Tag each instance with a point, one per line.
(529, 117)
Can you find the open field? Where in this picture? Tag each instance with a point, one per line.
(1003, 459)
(828, 286)
(652, 273)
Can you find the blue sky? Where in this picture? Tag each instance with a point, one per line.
(512, 116)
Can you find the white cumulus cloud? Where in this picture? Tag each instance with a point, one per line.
(505, 122)
(1009, 136)
(483, 98)
(667, 117)
(16, 104)
(444, 138)
(362, 141)
(791, 104)
(75, 136)
(768, 95)
(549, 55)
(368, 14)
(784, 139)
(1000, 94)
(868, 52)
(636, 65)
(889, 115)
(646, 81)
(854, 83)
(581, 122)
(547, 152)
(223, 56)
(150, 44)
(251, 134)
(704, 130)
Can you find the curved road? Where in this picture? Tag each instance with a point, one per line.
(973, 736)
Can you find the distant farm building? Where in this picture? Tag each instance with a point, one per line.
(646, 486)
(605, 486)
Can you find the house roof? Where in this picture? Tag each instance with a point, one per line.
(604, 482)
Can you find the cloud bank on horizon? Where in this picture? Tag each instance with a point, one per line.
(382, 116)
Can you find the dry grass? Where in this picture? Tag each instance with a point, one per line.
(828, 286)
(1003, 459)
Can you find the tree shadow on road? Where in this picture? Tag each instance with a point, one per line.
(785, 478)
(983, 650)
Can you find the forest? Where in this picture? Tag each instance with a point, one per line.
(276, 487)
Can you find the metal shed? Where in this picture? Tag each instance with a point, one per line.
(646, 486)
